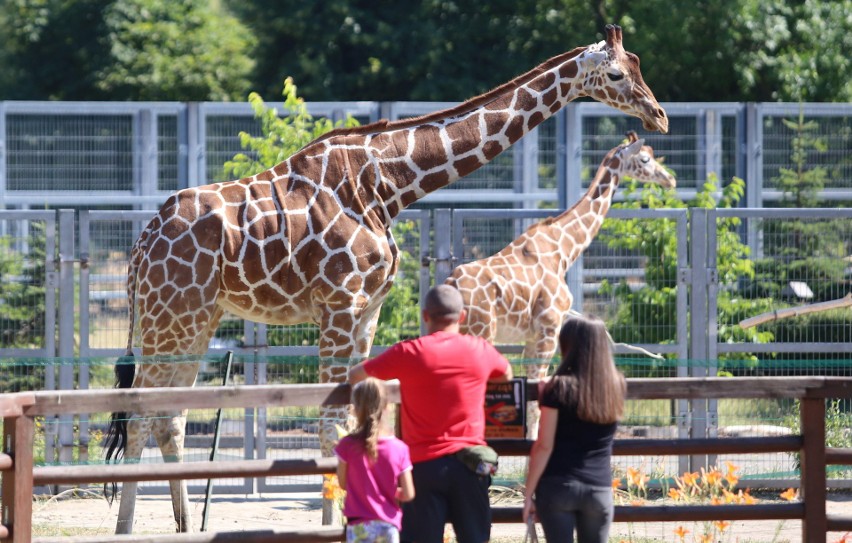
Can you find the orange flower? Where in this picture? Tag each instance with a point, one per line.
(690, 479)
(730, 497)
(675, 494)
(616, 483)
(705, 538)
(722, 525)
(732, 468)
(681, 532)
(790, 494)
(712, 477)
(732, 479)
(331, 488)
(715, 500)
(746, 498)
(843, 539)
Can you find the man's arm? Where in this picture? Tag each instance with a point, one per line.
(507, 375)
(357, 373)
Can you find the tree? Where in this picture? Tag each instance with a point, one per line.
(22, 308)
(122, 50)
(165, 50)
(805, 251)
(795, 51)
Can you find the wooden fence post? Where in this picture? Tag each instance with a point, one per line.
(17, 506)
(813, 484)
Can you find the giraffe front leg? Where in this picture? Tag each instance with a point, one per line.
(340, 348)
(537, 355)
(138, 430)
(169, 430)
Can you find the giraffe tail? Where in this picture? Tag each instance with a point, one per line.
(125, 371)
(116, 436)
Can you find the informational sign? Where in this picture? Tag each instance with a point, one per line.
(505, 410)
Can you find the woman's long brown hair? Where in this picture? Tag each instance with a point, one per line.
(587, 377)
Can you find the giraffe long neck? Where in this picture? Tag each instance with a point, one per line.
(414, 161)
(575, 228)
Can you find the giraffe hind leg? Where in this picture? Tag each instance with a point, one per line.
(169, 431)
(138, 430)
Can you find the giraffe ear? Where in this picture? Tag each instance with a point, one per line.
(633, 148)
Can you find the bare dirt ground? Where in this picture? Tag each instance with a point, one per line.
(92, 516)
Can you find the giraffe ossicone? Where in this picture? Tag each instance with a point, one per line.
(309, 240)
(519, 294)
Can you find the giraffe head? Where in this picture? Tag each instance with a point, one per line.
(636, 160)
(611, 75)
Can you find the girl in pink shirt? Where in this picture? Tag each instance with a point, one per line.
(374, 468)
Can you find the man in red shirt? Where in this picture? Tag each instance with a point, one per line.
(442, 378)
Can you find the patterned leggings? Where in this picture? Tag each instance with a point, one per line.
(372, 531)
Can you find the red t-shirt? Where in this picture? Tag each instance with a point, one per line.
(442, 378)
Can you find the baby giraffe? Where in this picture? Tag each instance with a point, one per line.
(519, 294)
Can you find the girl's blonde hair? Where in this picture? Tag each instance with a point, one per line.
(587, 377)
(369, 399)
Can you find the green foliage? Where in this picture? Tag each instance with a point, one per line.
(122, 50)
(837, 423)
(655, 301)
(22, 308)
(794, 51)
(802, 184)
(165, 50)
(283, 135)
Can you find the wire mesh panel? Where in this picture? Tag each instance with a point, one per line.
(69, 152)
(807, 136)
(702, 139)
(28, 251)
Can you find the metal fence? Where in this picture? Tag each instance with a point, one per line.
(132, 155)
(74, 264)
(65, 320)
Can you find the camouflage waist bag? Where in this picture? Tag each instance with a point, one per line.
(480, 459)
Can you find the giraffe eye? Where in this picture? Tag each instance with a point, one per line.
(618, 76)
(645, 159)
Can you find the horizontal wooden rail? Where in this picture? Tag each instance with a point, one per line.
(839, 523)
(178, 398)
(314, 535)
(679, 513)
(99, 473)
(11, 405)
(72, 475)
(673, 447)
(838, 456)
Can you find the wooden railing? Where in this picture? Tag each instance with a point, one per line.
(19, 474)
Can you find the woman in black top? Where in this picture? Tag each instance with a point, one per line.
(570, 477)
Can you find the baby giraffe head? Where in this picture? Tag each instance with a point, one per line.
(636, 160)
(611, 75)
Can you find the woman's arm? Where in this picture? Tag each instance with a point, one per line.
(539, 455)
(405, 491)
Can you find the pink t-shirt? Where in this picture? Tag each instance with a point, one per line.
(442, 378)
(371, 487)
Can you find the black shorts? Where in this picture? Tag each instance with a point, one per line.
(447, 491)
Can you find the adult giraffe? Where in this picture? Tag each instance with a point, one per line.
(309, 240)
(519, 294)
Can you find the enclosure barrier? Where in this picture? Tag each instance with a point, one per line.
(19, 474)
